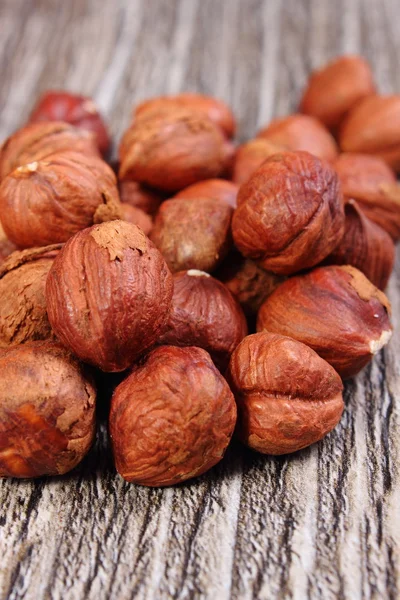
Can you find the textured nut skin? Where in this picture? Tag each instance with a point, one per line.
(249, 283)
(220, 189)
(23, 315)
(204, 314)
(47, 201)
(373, 127)
(287, 396)
(108, 295)
(250, 156)
(6, 246)
(336, 88)
(75, 109)
(38, 140)
(365, 246)
(47, 410)
(370, 181)
(216, 110)
(172, 150)
(138, 217)
(290, 213)
(172, 418)
(193, 234)
(301, 132)
(336, 311)
(138, 196)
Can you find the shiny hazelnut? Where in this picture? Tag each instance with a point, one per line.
(204, 314)
(290, 213)
(220, 189)
(336, 311)
(287, 396)
(250, 156)
(138, 217)
(38, 140)
(370, 181)
(108, 295)
(47, 201)
(336, 88)
(138, 196)
(75, 109)
(172, 150)
(47, 410)
(366, 246)
(193, 234)
(172, 418)
(301, 132)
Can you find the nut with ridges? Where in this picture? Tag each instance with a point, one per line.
(287, 396)
(336, 311)
(172, 418)
(220, 189)
(47, 410)
(204, 314)
(108, 295)
(290, 213)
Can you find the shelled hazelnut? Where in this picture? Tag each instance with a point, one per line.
(219, 189)
(250, 156)
(138, 217)
(138, 196)
(6, 246)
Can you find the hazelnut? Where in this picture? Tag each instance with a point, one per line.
(6, 246)
(287, 396)
(75, 109)
(138, 217)
(137, 195)
(205, 314)
(220, 189)
(336, 88)
(290, 213)
(193, 234)
(373, 127)
(336, 311)
(47, 410)
(301, 132)
(47, 201)
(370, 181)
(172, 418)
(216, 110)
(23, 315)
(366, 246)
(108, 295)
(38, 140)
(172, 150)
(250, 156)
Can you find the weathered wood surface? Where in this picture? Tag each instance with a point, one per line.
(322, 524)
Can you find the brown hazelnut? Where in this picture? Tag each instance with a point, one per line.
(249, 283)
(108, 295)
(301, 132)
(38, 140)
(287, 396)
(216, 110)
(193, 234)
(75, 109)
(336, 311)
(137, 195)
(373, 127)
(220, 189)
(204, 314)
(290, 213)
(172, 418)
(172, 150)
(6, 246)
(370, 181)
(47, 410)
(336, 88)
(366, 246)
(138, 217)
(250, 156)
(47, 201)
(23, 315)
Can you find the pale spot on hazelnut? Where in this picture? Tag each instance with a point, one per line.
(90, 107)
(197, 273)
(29, 168)
(376, 345)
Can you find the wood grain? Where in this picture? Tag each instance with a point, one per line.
(323, 524)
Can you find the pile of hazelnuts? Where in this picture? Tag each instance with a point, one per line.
(160, 266)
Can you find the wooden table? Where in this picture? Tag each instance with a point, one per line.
(322, 524)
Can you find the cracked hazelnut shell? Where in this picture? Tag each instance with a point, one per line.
(172, 418)
(336, 311)
(47, 410)
(219, 189)
(108, 295)
(287, 396)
